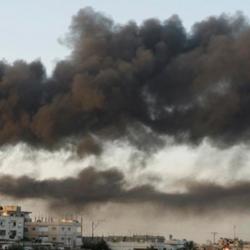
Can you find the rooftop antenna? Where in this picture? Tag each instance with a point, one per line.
(234, 229)
(214, 236)
(81, 226)
(94, 225)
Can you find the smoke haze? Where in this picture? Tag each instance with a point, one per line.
(145, 85)
(92, 187)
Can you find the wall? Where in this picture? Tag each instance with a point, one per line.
(11, 228)
(67, 233)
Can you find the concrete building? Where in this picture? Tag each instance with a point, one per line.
(142, 242)
(60, 232)
(12, 220)
(176, 244)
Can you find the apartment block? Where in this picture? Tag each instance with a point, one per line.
(65, 232)
(12, 220)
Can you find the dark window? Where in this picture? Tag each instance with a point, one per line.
(12, 234)
(2, 232)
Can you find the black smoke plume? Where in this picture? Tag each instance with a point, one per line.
(133, 82)
(92, 187)
(189, 85)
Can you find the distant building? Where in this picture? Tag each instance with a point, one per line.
(142, 242)
(66, 232)
(230, 244)
(12, 220)
(246, 245)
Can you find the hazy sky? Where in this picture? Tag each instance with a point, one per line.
(31, 29)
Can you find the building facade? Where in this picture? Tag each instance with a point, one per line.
(64, 232)
(12, 220)
(143, 242)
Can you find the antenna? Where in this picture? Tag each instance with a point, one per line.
(94, 225)
(234, 229)
(81, 226)
(214, 236)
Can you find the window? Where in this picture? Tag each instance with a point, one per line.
(62, 238)
(43, 229)
(62, 228)
(12, 234)
(33, 228)
(2, 232)
(54, 238)
(53, 228)
(69, 228)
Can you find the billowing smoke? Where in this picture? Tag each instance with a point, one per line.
(156, 75)
(137, 83)
(92, 187)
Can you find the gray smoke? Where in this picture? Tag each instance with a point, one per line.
(93, 187)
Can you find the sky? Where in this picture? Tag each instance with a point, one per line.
(33, 29)
(36, 30)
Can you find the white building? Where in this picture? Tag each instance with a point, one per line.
(65, 232)
(11, 228)
(12, 221)
(142, 242)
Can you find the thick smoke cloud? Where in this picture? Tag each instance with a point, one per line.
(138, 83)
(156, 75)
(92, 187)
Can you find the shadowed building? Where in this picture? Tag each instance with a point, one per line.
(12, 221)
(66, 232)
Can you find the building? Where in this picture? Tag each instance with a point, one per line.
(12, 220)
(59, 232)
(176, 244)
(136, 242)
(231, 244)
(142, 242)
